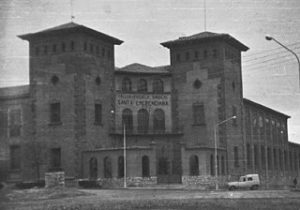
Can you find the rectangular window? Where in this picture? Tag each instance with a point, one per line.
(199, 116)
(236, 156)
(256, 157)
(196, 55)
(249, 156)
(55, 113)
(54, 48)
(15, 157)
(269, 158)
(98, 113)
(263, 157)
(178, 57)
(55, 159)
(15, 123)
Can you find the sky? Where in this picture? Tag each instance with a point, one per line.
(270, 73)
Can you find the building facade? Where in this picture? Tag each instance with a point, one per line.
(79, 109)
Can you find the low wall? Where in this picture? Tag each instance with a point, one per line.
(131, 182)
(54, 179)
(203, 182)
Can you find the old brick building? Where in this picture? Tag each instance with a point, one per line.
(78, 108)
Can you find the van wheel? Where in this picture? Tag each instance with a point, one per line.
(254, 187)
(232, 188)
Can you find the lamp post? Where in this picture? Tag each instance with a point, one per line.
(216, 150)
(270, 38)
(124, 150)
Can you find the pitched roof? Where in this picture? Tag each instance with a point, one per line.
(204, 37)
(14, 92)
(137, 68)
(70, 27)
(245, 100)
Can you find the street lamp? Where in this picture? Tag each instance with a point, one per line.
(216, 151)
(270, 38)
(124, 150)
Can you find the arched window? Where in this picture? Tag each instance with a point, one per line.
(223, 165)
(158, 86)
(163, 166)
(143, 121)
(145, 166)
(159, 121)
(121, 167)
(93, 168)
(127, 120)
(107, 167)
(194, 165)
(126, 85)
(142, 86)
(212, 169)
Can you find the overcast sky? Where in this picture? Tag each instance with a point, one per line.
(270, 73)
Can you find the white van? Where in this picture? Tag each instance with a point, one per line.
(249, 181)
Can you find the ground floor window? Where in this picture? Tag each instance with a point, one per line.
(163, 166)
(93, 168)
(223, 165)
(121, 167)
(212, 169)
(15, 157)
(107, 167)
(194, 165)
(145, 166)
(55, 159)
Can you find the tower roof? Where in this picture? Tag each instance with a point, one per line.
(67, 28)
(205, 37)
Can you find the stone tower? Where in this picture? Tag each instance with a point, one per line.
(207, 86)
(71, 86)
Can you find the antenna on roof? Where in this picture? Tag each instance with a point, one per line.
(204, 15)
(72, 15)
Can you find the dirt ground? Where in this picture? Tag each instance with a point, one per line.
(131, 199)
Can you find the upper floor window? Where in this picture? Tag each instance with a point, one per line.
(142, 85)
(72, 45)
(15, 157)
(54, 112)
(198, 113)
(143, 121)
(236, 156)
(158, 86)
(54, 48)
(91, 48)
(85, 46)
(215, 53)
(178, 57)
(187, 56)
(37, 51)
(97, 50)
(205, 54)
(15, 123)
(63, 47)
(126, 85)
(159, 121)
(98, 113)
(127, 120)
(45, 50)
(196, 55)
(103, 52)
